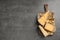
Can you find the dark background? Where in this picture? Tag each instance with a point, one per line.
(18, 19)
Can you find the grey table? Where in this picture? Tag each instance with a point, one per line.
(18, 19)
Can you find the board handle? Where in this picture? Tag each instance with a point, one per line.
(45, 7)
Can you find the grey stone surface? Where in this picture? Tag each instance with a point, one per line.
(18, 19)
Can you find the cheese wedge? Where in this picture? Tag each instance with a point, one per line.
(43, 19)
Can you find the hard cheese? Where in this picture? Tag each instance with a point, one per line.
(43, 19)
(45, 33)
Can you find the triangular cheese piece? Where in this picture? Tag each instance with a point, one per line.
(43, 19)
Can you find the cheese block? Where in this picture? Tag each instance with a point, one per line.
(45, 33)
(49, 27)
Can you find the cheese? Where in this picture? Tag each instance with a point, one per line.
(45, 33)
(43, 19)
(49, 27)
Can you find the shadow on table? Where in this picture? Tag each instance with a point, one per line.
(38, 30)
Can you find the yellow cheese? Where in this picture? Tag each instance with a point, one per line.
(43, 19)
(45, 33)
(49, 27)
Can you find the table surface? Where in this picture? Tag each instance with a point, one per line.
(18, 19)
